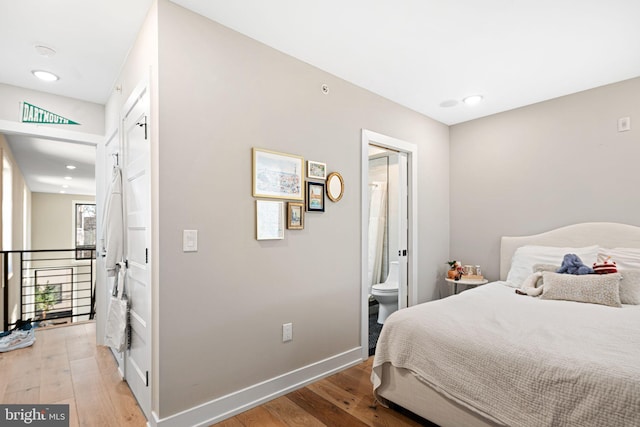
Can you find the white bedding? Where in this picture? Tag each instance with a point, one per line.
(521, 361)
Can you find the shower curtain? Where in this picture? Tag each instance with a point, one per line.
(377, 230)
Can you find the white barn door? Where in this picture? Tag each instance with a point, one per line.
(137, 202)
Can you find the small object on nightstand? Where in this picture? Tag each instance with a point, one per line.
(453, 269)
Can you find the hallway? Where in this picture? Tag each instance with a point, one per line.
(64, 366)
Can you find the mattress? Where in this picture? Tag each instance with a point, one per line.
(519, 361)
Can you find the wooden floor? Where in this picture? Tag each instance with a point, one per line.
(342, 400)
(64, 366)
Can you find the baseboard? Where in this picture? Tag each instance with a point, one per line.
(227, 406)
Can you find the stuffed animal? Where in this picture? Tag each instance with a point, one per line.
(529, 285)
(572, 264)
(605, 265)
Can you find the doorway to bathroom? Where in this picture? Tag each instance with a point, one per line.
(389, 247)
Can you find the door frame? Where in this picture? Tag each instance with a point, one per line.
(411, 151)
(8, 127)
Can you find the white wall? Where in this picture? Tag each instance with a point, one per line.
(20, 201)
(543, 166)
(221, 309)
(89, 115)
(52, 220)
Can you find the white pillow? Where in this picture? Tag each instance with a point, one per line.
(525, 257)
(625, 258)
(630, 286)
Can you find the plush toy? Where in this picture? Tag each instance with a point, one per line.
(529, 285)
(605, 265)
(572, 264)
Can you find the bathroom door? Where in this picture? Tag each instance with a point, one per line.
(402, 229)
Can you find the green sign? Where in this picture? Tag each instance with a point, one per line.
(33, 114)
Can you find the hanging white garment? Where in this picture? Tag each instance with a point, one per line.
(114, 224)
(377, 230)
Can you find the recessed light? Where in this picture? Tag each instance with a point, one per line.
(45, 75)
(62, 192)
(472, 100)
(71, 167)
(68, 177)
(65, 186)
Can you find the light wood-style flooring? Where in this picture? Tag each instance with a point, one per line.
(344, 399)
(65, 366)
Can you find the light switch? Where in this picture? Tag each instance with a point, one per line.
(189, 240)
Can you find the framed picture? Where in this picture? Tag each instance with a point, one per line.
(316, 170)
(277, 175)
(315, 196)
(269, 220)
(295, 216)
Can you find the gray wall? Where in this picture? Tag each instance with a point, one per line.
(543, 166)
(221, 308)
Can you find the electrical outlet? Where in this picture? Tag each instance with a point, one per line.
(287, 332)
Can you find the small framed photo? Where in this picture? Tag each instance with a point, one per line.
(315, 196)
(269, 220)
(295, 216)
(277, 175)
(316, 170)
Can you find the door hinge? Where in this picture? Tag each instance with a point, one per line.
(146, 255)
(147, 379)
(143, 124)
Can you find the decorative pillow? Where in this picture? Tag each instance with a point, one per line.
(591, 288)
(525, 257)
(630, 287)
(625, 258)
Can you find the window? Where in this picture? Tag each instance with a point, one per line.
(85, 230)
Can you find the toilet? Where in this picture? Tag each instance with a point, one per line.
(387, 293)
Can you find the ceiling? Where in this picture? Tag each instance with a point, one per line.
(419, 53)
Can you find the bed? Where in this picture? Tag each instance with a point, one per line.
(491, 357)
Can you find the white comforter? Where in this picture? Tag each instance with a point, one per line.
(520, 360)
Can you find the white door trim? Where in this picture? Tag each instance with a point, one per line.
(411, 150)
(28, 129)
(9, 127)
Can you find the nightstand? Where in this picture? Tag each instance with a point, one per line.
(466, 282)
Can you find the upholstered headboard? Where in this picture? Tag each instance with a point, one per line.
(605, 234)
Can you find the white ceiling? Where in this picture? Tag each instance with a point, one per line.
(44, 165)
(418, 53)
